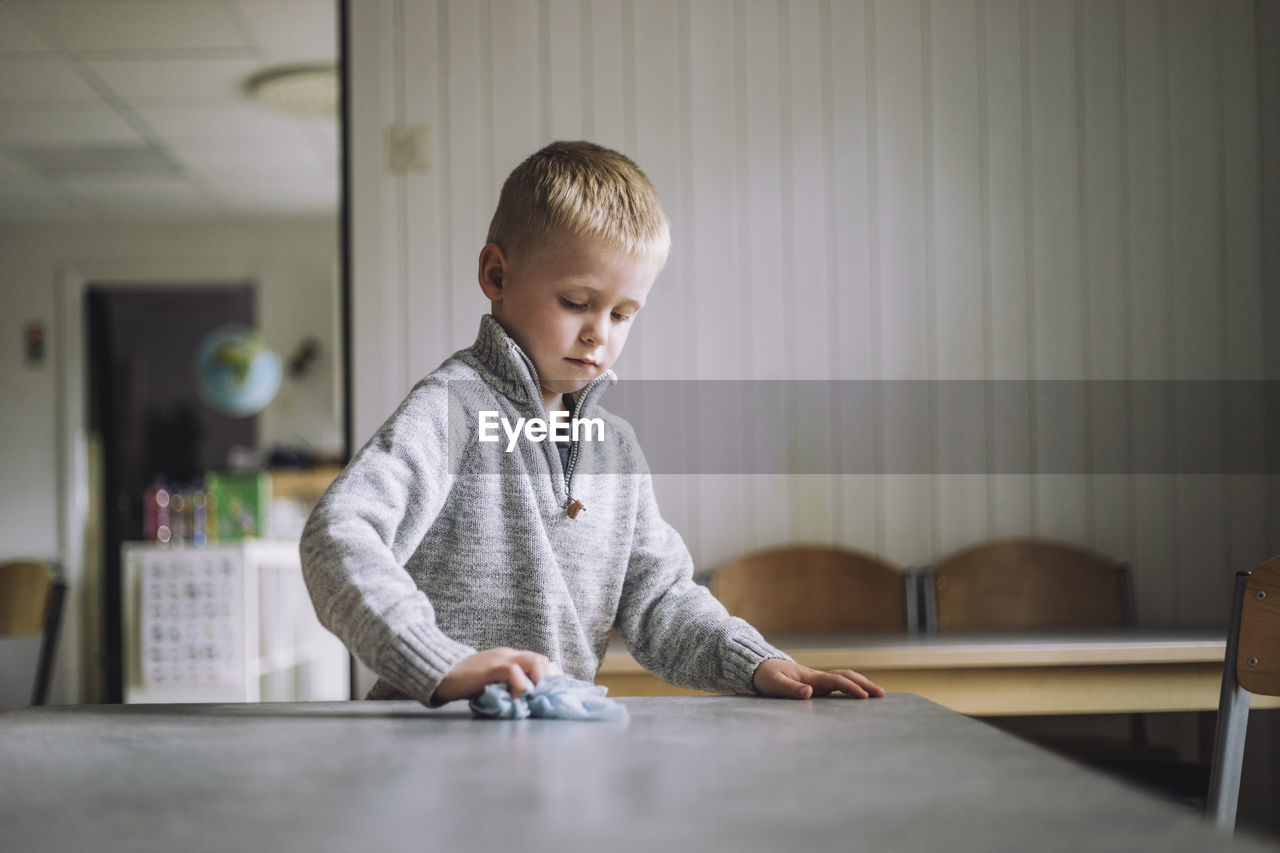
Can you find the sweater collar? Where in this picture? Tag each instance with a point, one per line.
(510, 370)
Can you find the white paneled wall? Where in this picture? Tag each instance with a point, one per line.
(887, 189)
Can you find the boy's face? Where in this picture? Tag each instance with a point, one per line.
(569, 305)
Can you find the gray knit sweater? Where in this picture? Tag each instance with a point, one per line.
(430, 546)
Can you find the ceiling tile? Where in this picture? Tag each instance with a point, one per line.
(280, 198)
(15, 35)
(245, 161)
(310, 25)
(324, 141)
(27, 204)
(10, 165)
(159, 199)
(250, 123)
(65, 126)
(42, 79)
(175, 78)
(277, 55)
(96, 162)
(137, 25)
(177, 68)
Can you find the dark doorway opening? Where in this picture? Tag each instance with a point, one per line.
(148, 414)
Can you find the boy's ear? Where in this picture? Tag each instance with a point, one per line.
(493, 271)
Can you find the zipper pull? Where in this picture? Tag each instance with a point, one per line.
(575, 508)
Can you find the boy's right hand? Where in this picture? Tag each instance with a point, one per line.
(469, 677)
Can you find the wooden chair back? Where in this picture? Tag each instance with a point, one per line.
(31, 596)
(1251, 665)
(24, 597)
(1019, 584)
(1258, 655)
(814, 589)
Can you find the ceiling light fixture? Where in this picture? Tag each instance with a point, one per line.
(300, 90)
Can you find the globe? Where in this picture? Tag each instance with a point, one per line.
(236, 372)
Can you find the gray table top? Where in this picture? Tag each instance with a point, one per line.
(696, 773)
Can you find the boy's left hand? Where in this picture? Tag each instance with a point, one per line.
(790, 680)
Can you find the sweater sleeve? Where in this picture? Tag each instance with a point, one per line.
(364, 529)
(675, 627)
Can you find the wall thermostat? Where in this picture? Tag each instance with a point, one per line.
(33, 338)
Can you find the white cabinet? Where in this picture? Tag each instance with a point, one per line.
(230, 623)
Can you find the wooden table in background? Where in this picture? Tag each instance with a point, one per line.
(1114, 673)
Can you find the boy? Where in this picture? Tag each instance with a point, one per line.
(447, 561)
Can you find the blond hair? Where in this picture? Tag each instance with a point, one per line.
(584, 190)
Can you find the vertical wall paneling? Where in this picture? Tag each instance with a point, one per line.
(1102, 227)
(1058, 327)
(397, 209)
(1103, 236)
(471, 199)
(850, 266)
(607, 86)
(988, 309)
(716, 263)
(901, 222)
(753, 492)
(378, 363)
(685, 202)
(956, 268)
(630, 121)
(756, 292)
(713, 288)
(850, 269)
(900, 165)
(566, 76)
(808, 338)
(875, 280)
(766, 268)
(659, 149)
(426, 220)
(805, 132)
(1242, 191)
(1268, 111)
(884, 189)
(1245, 427)
(1007, 250)
(1260, 799)
(377, 331)
(1268, 58)
(516, 99)
(1199, 293)
(1146, 131)
(1056, 275)
(954, 158)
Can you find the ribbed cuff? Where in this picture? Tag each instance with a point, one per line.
(744, 653)
(419, 658)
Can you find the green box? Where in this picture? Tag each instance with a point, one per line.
(240, 504)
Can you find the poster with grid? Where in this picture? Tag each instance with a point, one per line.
(191, 607)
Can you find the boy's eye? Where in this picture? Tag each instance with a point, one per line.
(620, 317)
(576, 306)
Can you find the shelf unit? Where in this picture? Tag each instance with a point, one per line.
(229, 623)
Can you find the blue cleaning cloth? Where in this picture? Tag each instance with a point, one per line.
(556, 697)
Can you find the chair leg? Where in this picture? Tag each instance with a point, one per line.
(1233, 720)
(1228, 758)
(48, 645)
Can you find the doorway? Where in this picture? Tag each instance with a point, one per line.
(148, 417)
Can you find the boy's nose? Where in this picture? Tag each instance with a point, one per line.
(595, 331)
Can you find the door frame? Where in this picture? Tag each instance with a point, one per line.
(78, 670)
